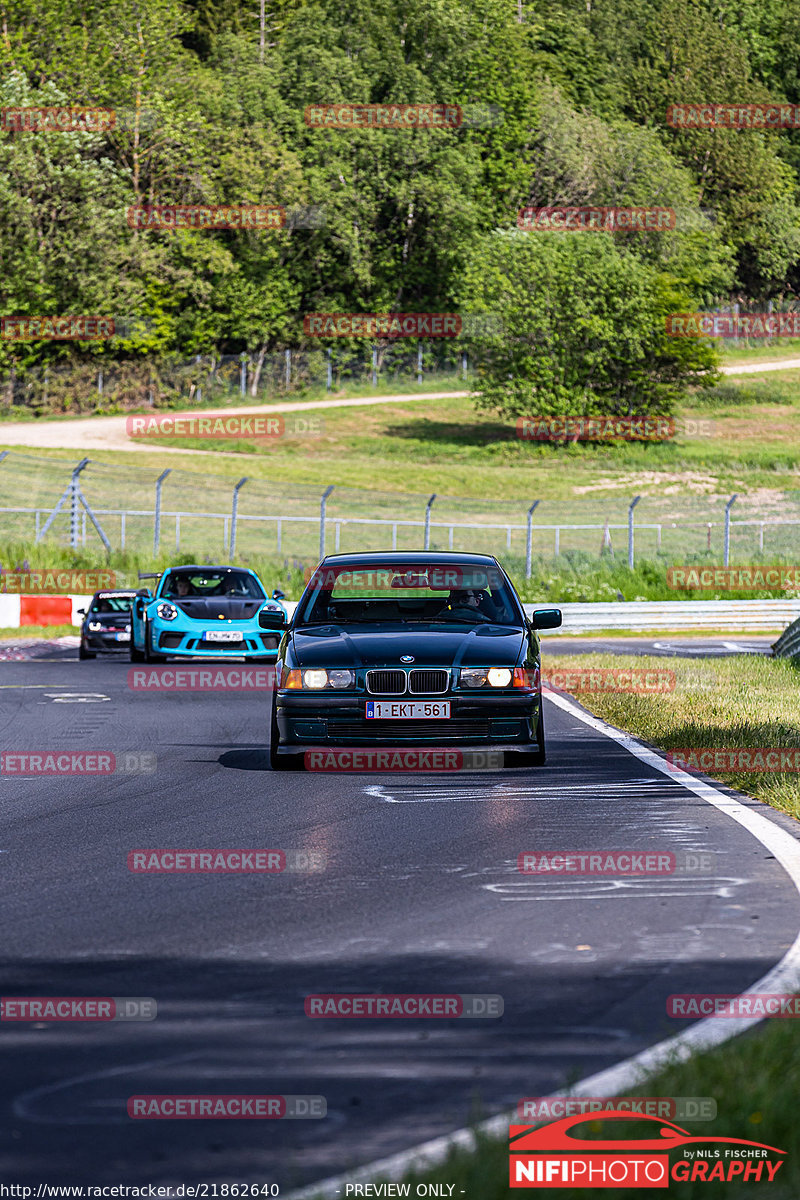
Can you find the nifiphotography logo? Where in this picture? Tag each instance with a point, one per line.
(557, 1156)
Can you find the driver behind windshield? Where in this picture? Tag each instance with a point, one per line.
(466, 602)
(179, 586)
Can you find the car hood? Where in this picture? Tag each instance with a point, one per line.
(355, 646)
(211, 608)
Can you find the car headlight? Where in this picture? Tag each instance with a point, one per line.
(475, 677)
(167, 612)
(95, 626)
(317, 678)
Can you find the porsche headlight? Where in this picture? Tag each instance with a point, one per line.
(167, 612)
(476, 677)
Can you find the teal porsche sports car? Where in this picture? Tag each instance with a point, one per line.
(204, 612)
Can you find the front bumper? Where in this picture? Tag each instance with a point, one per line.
(501, 721)
(104, 643)
(179, 643)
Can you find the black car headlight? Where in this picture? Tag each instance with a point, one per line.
(167, 612)
(477, 677)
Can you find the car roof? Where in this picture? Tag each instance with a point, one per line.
(207, 567)
(115, 592)
(408, 558)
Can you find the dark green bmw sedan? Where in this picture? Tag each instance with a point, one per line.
(409, 649)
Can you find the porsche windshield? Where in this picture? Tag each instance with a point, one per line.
(434, 593)
(194, 585)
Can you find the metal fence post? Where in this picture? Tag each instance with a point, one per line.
(243, 374)
(234, 513)
(322, 505)
(529, 541)
(631, 507)
(288, 369)
(329, 373)
(157, 521)
(419, 363)
(464, 364)
(374, 366)
(428, 522)
(727, 546)
(75, 488)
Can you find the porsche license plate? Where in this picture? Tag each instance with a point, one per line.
(222, 635)
(407, 710)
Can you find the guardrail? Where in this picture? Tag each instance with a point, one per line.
(788, 644)
(736, 616)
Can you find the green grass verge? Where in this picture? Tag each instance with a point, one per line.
(742, 702)
(575, 577)
(755, 1081)
(21, 634)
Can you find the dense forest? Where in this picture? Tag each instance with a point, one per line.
(565, 103)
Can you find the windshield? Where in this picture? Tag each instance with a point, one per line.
(432, 593)
(197, 583)
(112, 604)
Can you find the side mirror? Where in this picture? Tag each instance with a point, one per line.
(81, 612)
(272, 617)
(546, 618)
(278, 594)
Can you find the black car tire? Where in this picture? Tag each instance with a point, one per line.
(136, 655)
(149, 655)
(530, 758)
(84, 653)
(280, 762)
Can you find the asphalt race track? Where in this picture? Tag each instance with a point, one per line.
(420, 893)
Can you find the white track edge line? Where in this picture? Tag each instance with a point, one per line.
(703, 1035)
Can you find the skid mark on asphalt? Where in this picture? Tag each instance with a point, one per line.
(614, 889)
(479, 790)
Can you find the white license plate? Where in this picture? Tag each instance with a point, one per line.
(123, 637)
(407, 710)
(222, 635)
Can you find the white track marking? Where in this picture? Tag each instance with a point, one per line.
(703, 1035)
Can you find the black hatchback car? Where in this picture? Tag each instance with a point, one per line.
(106, 627)
(398, 650)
